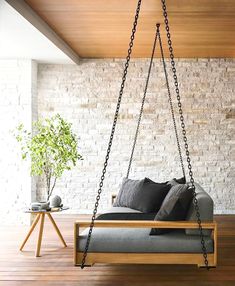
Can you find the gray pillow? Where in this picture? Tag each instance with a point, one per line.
(174, 207)
(144, 195)
(175, 181)
(127, 192)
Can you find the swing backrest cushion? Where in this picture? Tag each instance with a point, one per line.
(142, 195)
(206, 208)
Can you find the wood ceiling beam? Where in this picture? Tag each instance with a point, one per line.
(30, 15)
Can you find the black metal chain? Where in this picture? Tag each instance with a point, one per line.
(112, 132)
(142, 105)
(204, 250)
(171, 103)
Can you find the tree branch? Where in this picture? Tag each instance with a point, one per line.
(48, 179)
(52, 187)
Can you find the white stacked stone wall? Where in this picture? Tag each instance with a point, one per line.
(86, 96)
(18, 81)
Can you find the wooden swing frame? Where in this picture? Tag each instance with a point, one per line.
(145, 258)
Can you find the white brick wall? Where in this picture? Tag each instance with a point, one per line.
(86, 96)
(17, 85)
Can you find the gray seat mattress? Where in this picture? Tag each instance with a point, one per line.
(138, 240)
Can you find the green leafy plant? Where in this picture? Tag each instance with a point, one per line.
(52, 148)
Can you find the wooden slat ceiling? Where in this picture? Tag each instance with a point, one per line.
(101, 28)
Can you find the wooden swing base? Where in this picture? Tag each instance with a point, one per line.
(146, 258)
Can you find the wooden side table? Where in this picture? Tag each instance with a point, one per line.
(40, 216)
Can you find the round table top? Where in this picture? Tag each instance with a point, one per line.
(52, 210)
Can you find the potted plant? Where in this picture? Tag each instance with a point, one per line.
(52, 148)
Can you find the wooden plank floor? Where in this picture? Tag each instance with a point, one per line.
(55, 266)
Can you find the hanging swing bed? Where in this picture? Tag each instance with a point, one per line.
(122, 235)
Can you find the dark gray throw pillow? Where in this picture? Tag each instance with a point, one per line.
(142, 195)
(174, 207)
(127, 191)
(175, 181)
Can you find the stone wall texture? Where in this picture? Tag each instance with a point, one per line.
(86, 96)
(18, 96)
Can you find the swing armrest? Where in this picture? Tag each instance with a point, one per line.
(146, 224)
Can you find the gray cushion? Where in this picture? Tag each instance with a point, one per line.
(143, 195)
(127, 191)
(138, 240)
(175, 181)
(206, 207)
(174, 207)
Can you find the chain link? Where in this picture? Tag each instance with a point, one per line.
(142, 106)
(112, 133)
(195, 201)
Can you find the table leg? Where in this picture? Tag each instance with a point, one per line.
(57, 229)
(30, 231)
(42, 215)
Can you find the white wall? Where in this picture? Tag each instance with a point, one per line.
(17, 91)
(86, 96)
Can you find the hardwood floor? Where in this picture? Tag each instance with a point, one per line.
(55, 266)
